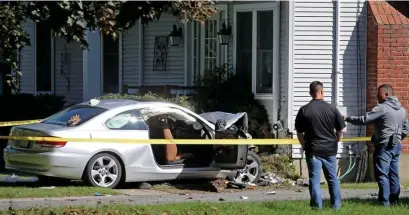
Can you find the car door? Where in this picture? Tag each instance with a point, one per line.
(224, 156)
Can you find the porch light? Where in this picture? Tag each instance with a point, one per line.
(175, 36)
(224, 34)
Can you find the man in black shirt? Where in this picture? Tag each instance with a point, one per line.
(319, 129)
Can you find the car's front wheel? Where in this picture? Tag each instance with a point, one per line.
(103, 170)
(252, 171)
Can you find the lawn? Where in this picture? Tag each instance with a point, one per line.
(63, 191)
(279, 207)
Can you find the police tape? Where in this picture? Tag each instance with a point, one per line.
(161, 141)
(23, 122)
(173, 141)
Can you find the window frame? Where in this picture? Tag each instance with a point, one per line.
(254, 8)
(52, 62)
(126, 111)
(200, 46)
(120, 81)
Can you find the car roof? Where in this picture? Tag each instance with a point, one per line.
(114, 103)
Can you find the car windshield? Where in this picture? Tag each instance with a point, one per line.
(74, 116)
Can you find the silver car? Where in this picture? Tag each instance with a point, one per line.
(108, 164)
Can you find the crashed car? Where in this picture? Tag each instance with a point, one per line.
(107, 164)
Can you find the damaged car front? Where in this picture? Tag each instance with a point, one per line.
(235, 126)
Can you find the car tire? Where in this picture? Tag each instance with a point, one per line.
(253, 163)
(93, 171)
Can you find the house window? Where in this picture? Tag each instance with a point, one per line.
(110, 64)
(256, 29)
(44, 58)
(207, 52)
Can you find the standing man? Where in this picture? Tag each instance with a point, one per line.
(391, 127)
(319, 129)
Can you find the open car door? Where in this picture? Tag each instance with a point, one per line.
(229, 126)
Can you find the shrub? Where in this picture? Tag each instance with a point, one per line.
(220, 89)
(281, 165)
(181, 100)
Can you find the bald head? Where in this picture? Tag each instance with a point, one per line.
(317, 90)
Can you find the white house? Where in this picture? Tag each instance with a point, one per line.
(284, 45)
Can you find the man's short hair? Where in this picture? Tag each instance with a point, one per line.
(387, 88)
(315, 86)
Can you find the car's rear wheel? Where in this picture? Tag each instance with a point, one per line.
(252, 171)
(103, 170)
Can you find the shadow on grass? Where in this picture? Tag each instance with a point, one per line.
(26, 180)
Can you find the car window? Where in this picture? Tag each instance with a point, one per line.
(74, 116)
(128, 120)
(173, 113)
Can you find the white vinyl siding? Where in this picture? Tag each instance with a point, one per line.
(130, 56)
(27, 61)
(314, 49)
(174, 74)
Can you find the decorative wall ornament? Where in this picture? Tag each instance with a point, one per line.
(160, 53)
(66, 66)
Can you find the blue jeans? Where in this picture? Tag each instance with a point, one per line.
(328, 165)
(386, 164)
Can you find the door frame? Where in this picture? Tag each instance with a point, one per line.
(254, 8)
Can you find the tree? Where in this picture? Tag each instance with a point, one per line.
(71, 19)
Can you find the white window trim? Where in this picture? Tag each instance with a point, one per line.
(276, 35)
(201, 42)
(36, 92)
(120, 80)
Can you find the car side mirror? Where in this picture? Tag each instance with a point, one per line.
(220, 125)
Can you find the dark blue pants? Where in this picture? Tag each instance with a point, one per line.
(386, 164)
(329, 167)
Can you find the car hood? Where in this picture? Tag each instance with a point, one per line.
(230, 118)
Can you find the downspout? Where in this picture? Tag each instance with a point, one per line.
(336, 70)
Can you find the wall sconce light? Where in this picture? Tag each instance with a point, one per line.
(175, 36)
(224, 34)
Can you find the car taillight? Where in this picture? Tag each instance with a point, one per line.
(51, 144)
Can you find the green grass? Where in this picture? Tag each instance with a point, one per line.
(367, 185)
(64, 191)
(355, 207)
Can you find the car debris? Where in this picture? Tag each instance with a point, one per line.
(100, 194)
(244, 197)
(48, 188)
(271, 193)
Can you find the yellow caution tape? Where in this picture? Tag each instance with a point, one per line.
(177, 141)
(13, 123)
(164, 141)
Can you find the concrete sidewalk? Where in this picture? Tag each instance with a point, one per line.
(143, 197)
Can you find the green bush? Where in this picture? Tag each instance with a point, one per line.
(220, 89)
(181, 100)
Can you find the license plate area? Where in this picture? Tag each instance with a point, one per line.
(24, 144)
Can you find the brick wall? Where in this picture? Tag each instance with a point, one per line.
(387, 55)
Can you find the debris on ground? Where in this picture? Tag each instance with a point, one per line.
(244, 197)
(298, 191)
(100, 194)
(144, 185)
(221, 199)
(268, 179)
(271, 193)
